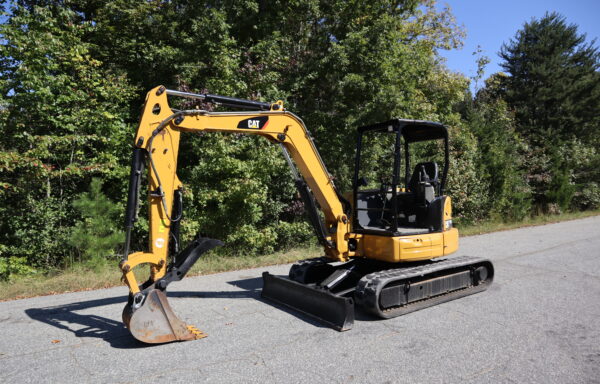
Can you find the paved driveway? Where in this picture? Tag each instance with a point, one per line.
(538, 323)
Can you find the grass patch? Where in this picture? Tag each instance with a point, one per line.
(72, 279)
(79, 278)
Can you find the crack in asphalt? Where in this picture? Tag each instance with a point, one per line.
(77, 363)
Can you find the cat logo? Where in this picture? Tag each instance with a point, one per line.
(258, 122)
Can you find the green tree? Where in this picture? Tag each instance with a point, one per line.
(554, 89)
(96, 237)
(63, 119)
(500, 162)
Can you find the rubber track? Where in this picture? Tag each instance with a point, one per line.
(370, 286)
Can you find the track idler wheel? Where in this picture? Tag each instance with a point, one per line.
(151, 319)
(481, 275)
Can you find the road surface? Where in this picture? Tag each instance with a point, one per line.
(538, 323)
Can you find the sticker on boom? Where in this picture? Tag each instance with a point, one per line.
(258, 122)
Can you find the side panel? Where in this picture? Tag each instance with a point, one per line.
(450, 241)
(378, 247)
(397, 249)
(451, 234)
(411, 248)
(437, 244)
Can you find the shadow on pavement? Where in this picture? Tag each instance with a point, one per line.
(66, 317)
(254, 288)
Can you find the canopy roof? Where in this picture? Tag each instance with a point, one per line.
(412, 130)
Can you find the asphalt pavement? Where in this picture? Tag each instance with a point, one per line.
(538, 323)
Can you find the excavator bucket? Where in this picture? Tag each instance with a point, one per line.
(149, 316)
(154, 321)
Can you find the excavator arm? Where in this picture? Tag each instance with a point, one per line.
(148, 314)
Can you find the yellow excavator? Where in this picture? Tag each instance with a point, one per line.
(384, 243)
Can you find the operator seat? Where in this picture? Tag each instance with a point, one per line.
(424, 182)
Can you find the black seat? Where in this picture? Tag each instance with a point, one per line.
(423, 185)
(424, 172)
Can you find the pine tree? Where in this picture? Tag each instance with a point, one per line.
(554, 90)
(554, 85)
(96, 236)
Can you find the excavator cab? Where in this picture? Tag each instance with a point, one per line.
(391, 196)
(401, 221)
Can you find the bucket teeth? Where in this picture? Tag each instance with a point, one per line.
(198, 334)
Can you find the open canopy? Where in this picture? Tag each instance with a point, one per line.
(412, 130)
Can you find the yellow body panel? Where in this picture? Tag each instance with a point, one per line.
(450, 234)
(450, 241)
(448, 209)
(408, 248)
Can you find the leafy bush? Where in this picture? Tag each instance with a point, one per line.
(584, 160)
(13, 265)
(292, 234)
(236, 189)
(465, 185)
(500, 159)
(37, 231)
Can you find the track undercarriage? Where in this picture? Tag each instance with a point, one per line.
(330, 291)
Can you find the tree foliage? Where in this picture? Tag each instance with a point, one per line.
(96, 236)
(74, 73)
(63, 120)
(554, 90)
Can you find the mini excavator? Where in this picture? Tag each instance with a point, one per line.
(384, 243)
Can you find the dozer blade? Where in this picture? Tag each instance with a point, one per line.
(336, 311)
(155, 322)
